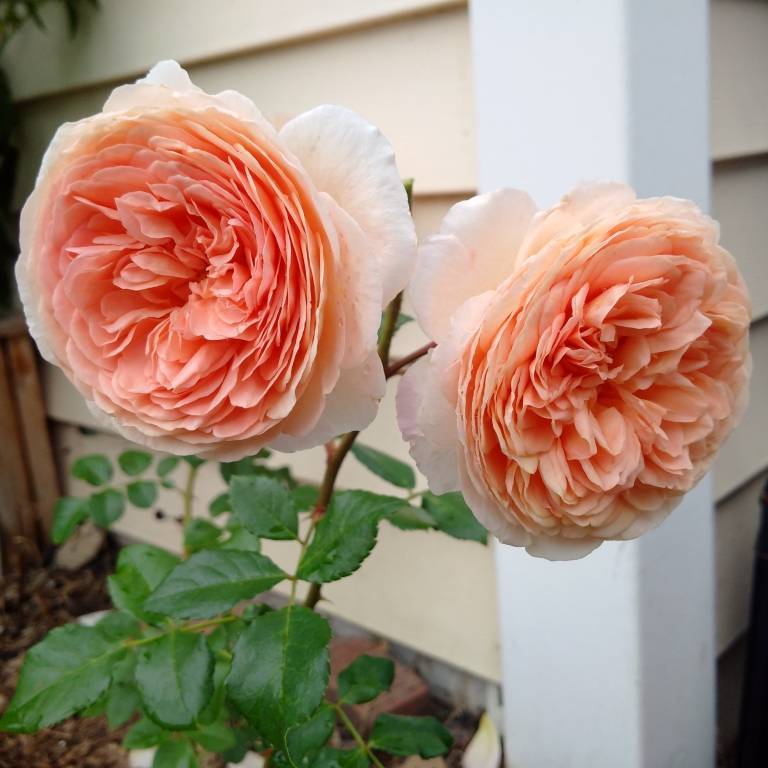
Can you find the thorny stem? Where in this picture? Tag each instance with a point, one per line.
(350, 726)
(388, 325)
(337, 454)
(189, 497)
(398, 365)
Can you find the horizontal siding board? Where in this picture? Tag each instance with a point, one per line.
(739, 73)
(122, 39)
(737, 521)
(740, 203)
(745, 453)
(426, 111)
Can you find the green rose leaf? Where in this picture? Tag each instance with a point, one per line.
(144, 734)
(345, 535)
(212, 582)
(95, 469)
(175, 754)
(341, 758)
(365, 678)
(106, 507)
(174, 675)
(68, 513)
(134, 462)
(166, 465)
(215, 737)
(140, 570)
(264, 506)
(386, 467)
(404, 735)
(117, 626)
(245, 466)
(241, 538)
(305, 497)
(303, 741)
(220, 504)
(452, 516)
(142, 493)
(200, 534)
(122, 702)
(410, 518)
(65, 672)
(194, 461)
(280, 670)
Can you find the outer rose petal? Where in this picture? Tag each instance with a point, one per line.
(476, 249)
(428, 422)
(351, 405)
(354, 163)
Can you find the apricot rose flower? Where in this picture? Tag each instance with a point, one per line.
(590, 361)
(211, 284)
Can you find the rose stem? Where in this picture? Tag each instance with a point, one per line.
(398, 365)
(189, 497)
(336, 456)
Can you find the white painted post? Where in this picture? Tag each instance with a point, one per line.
(608, 662)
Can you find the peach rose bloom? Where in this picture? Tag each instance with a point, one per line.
(590, 361)
(211, 284)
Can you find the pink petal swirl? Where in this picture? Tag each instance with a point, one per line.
(209, 284)
(590, 362)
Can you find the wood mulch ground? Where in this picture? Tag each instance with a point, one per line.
(30, 606)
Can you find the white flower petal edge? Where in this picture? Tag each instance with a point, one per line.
(351, 405)
(354, 163)
(475, 250)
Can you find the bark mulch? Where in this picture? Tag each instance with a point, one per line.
(30, 606)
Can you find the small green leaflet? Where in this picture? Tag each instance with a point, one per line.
(64, 673)
(174, 675)
(280, 670)
(122, 702)
(140, 569)
(175, 754)
(68, 513)
(345, 535)
(365, 678)
(386, 467)
(134, 462)
(200, 534)
(144, 734)
(220, 504)
(95, 469)
(142, 493)
(403, 735)
(264, 506)
(340, 758)
(452, 516)
(303, 741)
(166, 465)
(241, 538)
(212, 582)
(215, 737)
(106, 507)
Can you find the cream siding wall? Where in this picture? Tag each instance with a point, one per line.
(739, 79)
(406, 65)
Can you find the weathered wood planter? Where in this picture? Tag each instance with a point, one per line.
(29, 484)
